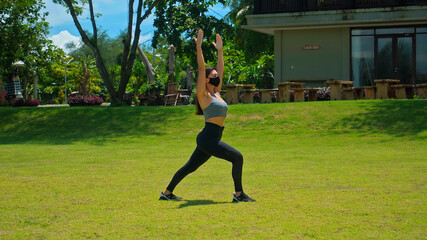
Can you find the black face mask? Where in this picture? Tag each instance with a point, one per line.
(214, 81)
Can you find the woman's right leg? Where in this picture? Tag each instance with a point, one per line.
(197, 159)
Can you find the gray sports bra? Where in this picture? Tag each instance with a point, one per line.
(217, 108)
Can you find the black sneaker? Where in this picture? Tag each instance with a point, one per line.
(242, 198)
(171, 196)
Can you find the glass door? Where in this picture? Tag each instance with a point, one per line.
(394, 58)
(404, 61)
(385, 58)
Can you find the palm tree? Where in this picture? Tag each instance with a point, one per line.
(252, 43)
(239, 8)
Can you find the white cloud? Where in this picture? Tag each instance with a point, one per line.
(64, 37)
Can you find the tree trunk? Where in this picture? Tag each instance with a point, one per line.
(85, 80)
(128, 53)
(105, 76)
(171, 62)
(93, 46)
(148, 67)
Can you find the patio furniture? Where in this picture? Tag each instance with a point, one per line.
(384, 90)
(172, 96)
(283, 94)
(336, 86)
(184, 96)
(403, 91)
(312, 93)
(357, 93)
(311, 82)
(248, 95)
(369, 92)
(232, 96)
(298, 94)
(347, 93)
(422, 90)
(266, 95)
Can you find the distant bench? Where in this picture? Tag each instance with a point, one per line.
(311, 82)
(284, 90)
(232, 96)
(422, 90)
(266, 95)
(336, 86)
(384, 90)
(403, 91)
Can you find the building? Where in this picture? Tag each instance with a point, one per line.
(356, 40)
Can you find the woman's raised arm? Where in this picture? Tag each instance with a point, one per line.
(220, 63)
(201, 84)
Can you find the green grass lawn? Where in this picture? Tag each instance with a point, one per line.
(318, 170)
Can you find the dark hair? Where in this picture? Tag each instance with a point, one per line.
(208, 71)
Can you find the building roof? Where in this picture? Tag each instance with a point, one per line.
(268, 23)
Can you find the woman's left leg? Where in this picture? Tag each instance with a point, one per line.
(197, 159)
(227, 152)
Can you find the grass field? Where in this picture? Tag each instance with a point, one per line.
(318, 170)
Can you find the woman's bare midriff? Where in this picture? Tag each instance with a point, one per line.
(216, 120)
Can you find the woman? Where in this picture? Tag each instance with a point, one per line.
(208, 141)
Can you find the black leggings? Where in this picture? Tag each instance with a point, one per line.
(209, 144)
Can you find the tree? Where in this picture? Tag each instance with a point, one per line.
(39, 67)
(238, 10)
(111, 48)
(149, 70)
(23, 36)
(179, 20)
(75, 8)
(254, 44)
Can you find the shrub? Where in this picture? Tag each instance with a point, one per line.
(257, 97)
(324, 94)
(4, 104)
(80, 100)
(23, 103)
(416, 96)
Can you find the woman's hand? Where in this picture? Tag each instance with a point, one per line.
(199, 38)
(218, 44)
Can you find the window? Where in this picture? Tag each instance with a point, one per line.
(362, 53)
(399, 53)
(421, 29)
(382, 31)
(421, 59)
(357, 32)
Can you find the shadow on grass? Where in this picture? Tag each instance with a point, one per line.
(189, 203)
(99, 125)
(95, 125)
(398, 118)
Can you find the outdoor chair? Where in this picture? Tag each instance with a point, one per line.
(422, 90)
(172, 96)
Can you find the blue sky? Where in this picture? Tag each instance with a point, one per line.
(113, 20)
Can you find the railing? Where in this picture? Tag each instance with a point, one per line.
(283, 6)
